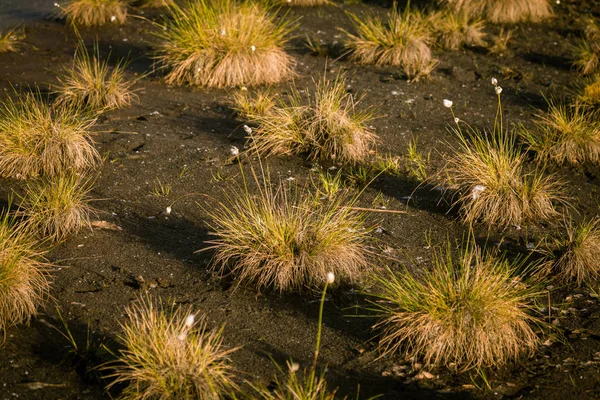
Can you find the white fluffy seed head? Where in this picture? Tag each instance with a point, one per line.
(330, 277)
(477, 190)
(447, 103)
(234, 151)
(247, 129)
(498, 90)
(189, 321)
(494, 81)
(294, 367)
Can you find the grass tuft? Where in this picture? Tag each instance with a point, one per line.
(587, 52)
(575, 255)
(57, 207)
(39, 139)
(94, 12)
(24, 281)
(285, 240)
(494, 185)
(305, 3)
(455, 30)
(328, 126)
(155, 3)
(400, 41)
(503, 11)
(170, 354)
(590, 95)
(223, 43)
(564, 135)
(10, 40)
(91, 83)
(469, 311)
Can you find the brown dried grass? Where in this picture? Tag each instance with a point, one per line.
(503, 11)
(222, 43)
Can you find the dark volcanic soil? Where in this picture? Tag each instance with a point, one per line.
(182, 136)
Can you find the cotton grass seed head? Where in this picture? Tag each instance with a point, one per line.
(223, 43)
(469, 311)
(448, 103)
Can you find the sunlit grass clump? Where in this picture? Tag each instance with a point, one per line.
(224, 43)
(305, 3)
(287, 240)
(94, 12)
(454, 30)
(576, 254)
(39, 139)
(564, 135)
(402, 40)
(91, 82)
(9, 41)
(24, 280)
(494, 185)
(326, 126)
(590, 95)
(469, 311)
(587, 52)
(155, 3)
(56, 207)
(170, 354)
(503, 11)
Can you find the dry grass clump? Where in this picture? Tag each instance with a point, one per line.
(454, 30)
(565, 135)
(155, 3)
(257, 104)
(39, 139)
(170, 354)
(575, 256)
(286, 240)
(24, 279)
(57, 207)
(223, 43)
(494, 185)
(401, 41)
(94, 12)
(91, 83)
(328, 126)
(9, 40)
(305, 3)
(590, 95)
(307, 386)
(587, 53)
(467, 312)
(500, 42)
(503, 11)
